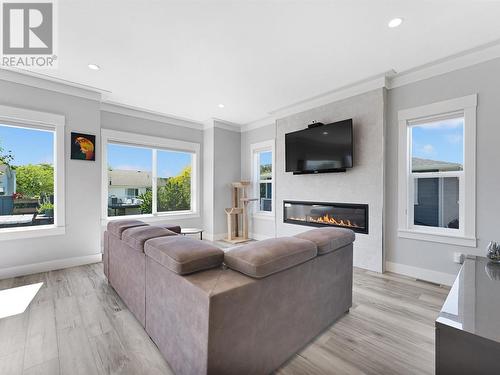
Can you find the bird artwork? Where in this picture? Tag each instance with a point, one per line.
(82, 146)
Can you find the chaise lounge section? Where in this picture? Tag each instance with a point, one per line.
(244, 311)
(124, 250)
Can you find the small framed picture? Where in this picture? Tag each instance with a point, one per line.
(82, 146)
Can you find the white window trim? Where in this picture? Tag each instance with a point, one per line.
(27, 118)
(133, 139)
(466, 235)
(255, 148)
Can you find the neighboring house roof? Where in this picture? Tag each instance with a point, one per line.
(428, 165)
(121, 177)
(6, 170)
(129, 178)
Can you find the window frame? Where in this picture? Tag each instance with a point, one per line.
(155, 144)
(255, 150)
(465, 235)
(30, 119)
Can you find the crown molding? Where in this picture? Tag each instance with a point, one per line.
(348, 91)
(46, 82)
(390, 80)
(356, 88)
(129, 110)
(448, 64)
(222, 124)
(266, 121)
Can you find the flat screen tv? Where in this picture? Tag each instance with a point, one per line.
(320, 149)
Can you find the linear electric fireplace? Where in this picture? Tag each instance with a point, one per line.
(320, 214)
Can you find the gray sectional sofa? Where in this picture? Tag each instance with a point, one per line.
(245, 311)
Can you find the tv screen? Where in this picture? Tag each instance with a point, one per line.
(325, 148)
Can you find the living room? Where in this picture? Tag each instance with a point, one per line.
(184, 184)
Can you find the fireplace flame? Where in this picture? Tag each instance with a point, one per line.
(327, 219)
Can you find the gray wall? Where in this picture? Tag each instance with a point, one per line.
(227, 165)
(208, 182)
(259, 227)
(132, 124)
(82, 181)
(222, 161)
(362, 184)
(483, 79)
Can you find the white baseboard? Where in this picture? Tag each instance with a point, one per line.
(259, 237)
(421, 273)
(214, 237)
(28, 269)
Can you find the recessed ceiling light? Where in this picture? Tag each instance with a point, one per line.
(395, 22)
(221, 106)
(94, 66)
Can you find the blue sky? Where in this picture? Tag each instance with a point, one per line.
(441, 141)
(170, 163)
(266, 158)
(29, 146)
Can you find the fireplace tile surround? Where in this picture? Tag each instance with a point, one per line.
(325, 214)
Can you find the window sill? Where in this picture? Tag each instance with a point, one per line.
(177, 215)
(30, 232)
(263, 216)
(440, 238)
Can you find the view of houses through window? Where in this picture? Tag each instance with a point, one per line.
(437, 153)
(26, 176)
(131, 188)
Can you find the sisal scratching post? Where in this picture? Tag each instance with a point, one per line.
(237, 213)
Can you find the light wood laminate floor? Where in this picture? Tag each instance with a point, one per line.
(78, 325)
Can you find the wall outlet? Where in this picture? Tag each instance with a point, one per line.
(458, 258)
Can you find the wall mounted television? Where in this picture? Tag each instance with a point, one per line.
(320, 149)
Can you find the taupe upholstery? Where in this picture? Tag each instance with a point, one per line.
(328, 239)
(117, 227)
(136, 237)
(125, 261)
(220, 321)
(127, 275)
(105, 254)
(183, 255)
(171, 227)
(263, 258)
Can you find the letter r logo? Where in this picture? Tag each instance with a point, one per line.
(27, 28)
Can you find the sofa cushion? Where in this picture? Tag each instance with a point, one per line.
(171, 227)
(117, 227)
(263, 258)
(328, 239)
(183, 255)
(137, 236)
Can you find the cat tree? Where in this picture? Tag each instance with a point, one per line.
(237, 215)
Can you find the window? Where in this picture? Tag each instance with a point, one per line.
(263, 176)
(129, 180)
(31, 173)
(149, 177)
(132, 193)
(174, 181)
(437, 172)
(436, 151)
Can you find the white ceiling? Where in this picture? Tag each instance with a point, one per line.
(185, 57)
